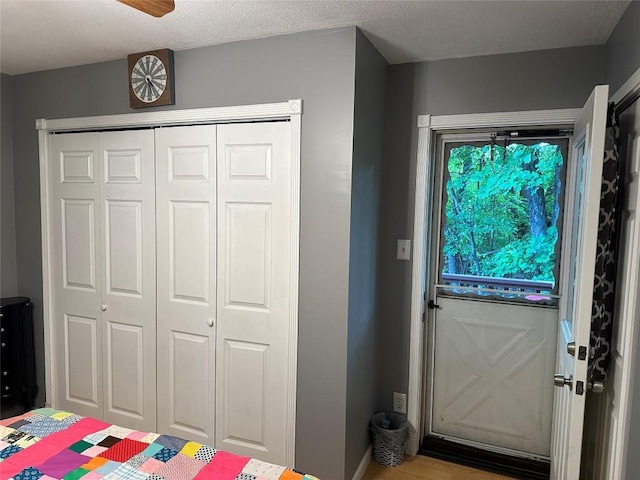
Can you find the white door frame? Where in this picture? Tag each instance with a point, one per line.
(620, 435)
(290, 110)
(428, 127)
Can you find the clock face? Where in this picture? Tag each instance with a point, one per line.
(148, 78)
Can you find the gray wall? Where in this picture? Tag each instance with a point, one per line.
(368, 153)
(318, 67)
(623, 48)
(8, 261)
(561, 78)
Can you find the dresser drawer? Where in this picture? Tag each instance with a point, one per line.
(17, 363)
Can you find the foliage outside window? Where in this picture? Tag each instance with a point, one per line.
(502, 210)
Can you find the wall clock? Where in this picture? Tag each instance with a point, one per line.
(151, 78)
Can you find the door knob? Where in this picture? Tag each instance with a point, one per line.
(559, 380)
(571, 348)
(103, 308)
(211, 322)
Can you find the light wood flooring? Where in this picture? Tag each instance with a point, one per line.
(426, 468)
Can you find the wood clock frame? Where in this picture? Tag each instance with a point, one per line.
(168, 95)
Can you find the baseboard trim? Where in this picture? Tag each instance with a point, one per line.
(362, 467)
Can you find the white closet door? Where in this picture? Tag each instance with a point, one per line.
(127, 197)
(254, 251)
(186, 243)
(75, 229)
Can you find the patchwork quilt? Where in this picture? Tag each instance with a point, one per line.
(48, 444)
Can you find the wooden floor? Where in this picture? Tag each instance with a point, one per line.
(426, 468)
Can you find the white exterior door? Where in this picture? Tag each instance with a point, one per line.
(128, 267)
(579, 251)
(493, 331)
(76, 266)
(254, 289)
(186, 247)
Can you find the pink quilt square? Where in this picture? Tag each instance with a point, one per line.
(91, 476)
(180, 467)
(137, 435)
(150, 466)
(94, 451)
(223, 466)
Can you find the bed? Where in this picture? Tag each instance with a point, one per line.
(48, 444)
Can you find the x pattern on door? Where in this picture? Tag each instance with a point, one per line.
(492, 367)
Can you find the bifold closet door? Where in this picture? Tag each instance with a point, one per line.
(76, 268)
(127, 198)
(254, 290)
(186, 248)
(103, 261)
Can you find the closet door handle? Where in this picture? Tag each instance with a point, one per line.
(103, 308)
(211, 322)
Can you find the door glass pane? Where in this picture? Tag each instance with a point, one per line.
(575, 233)
(501, 219)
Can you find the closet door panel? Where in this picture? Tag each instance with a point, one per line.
(76, 268)
(254, 251)
(127, 196)
(186, 236)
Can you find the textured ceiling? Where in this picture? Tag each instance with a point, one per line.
(44, 34)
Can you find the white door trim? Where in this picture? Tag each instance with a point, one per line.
(428, 126)
(290, 110)
(263, 111)
(620, 438)
(631, 86)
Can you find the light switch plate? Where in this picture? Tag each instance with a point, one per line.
(404, 250)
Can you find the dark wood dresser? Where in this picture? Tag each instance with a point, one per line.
(17, 361)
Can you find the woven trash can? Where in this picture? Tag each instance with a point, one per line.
(390, 432)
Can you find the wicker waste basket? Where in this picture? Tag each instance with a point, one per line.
(390, 432)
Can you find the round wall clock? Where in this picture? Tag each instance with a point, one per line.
(151, 78)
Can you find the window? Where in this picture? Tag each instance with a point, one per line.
(501, 218)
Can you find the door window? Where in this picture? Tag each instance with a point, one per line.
(501, 218)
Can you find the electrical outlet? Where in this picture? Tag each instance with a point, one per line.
(403, 250)
(399, 402)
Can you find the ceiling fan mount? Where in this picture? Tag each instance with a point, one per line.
(155, 8)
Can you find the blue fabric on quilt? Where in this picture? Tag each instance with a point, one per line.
(165, 455)
(126, 472)
(169, 441)
(30, 473)
(8, 451)
(42, 428)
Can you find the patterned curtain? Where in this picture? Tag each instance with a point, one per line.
(605, 273)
